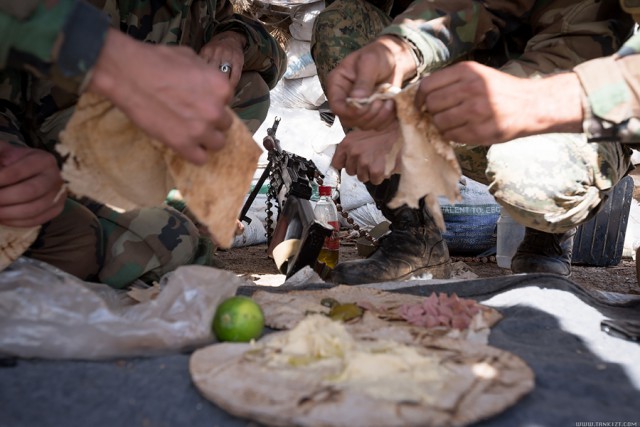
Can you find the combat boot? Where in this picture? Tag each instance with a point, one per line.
(414, 247)
(542, 252)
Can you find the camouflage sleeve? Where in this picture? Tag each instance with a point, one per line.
(568, 33)
(58, 39)
(612, 95)
(262, 52)
(441, 31)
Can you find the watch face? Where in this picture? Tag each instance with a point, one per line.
(631, 6)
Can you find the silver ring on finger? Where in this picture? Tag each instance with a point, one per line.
(225, 67)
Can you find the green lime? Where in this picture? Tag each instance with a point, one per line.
(238, 319)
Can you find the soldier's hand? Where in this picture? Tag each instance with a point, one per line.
(385, 60)
(364, 153)
(31, 187)
(226, 50)
(475, 104)
(169, 92)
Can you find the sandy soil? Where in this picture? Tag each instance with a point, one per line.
(253, 263)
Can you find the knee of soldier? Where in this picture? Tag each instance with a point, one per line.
(173, 237)
(538, 189)
(252, 99)
(330, 24)
(90, 242)
(72, 242)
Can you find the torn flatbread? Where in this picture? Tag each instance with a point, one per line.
(109, 159)
(14, 242)
(427, 164)
(383, 316)
(215, 192)
(319, 374)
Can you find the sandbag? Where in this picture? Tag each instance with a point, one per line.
(299, 61)
(301, 27)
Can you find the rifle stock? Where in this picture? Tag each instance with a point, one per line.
(297, 222)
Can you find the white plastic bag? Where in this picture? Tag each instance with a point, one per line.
(299, 61)
(353, 193)
(46, 313)
(301, 27)
(254, 232)
(298, 93)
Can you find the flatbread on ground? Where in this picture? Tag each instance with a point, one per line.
(381, 319)
(14, 242)
(320, 375)
(112, 161)
(427, 165)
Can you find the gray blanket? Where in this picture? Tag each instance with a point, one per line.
(582, 374)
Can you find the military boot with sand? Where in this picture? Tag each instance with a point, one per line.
(414, 247)
(542, 252)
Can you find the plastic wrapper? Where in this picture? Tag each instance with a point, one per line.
(46, 313)
(298, 93)
(299, 61)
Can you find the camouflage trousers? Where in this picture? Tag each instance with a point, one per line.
(341, 28)
(251, 101)
(550, 182)
(96, 243)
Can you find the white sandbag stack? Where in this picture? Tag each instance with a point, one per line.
(300, 87)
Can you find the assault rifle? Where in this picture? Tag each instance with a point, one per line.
(298, 237)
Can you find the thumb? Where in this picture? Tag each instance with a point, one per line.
(368, 75)
(10, 153)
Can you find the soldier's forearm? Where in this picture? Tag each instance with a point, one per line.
(442, 31)
(557, 107)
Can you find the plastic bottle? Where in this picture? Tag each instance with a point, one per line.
(325, 211)
(510, 234)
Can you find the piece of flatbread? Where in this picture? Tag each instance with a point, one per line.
(14, 242)
(215, 192)
(111, 160)
(321, 375)
(427, 164)
(382, 317)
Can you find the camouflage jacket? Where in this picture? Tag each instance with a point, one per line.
(192, 23)
(61, 39)
(57, 39)
(525, 37)
(612, 89)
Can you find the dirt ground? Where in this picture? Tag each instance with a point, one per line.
(252, 262)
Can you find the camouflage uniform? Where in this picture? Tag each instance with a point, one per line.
(612, 88)
(89, 240)
(547, 182)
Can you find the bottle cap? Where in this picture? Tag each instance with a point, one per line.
(324, 190)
